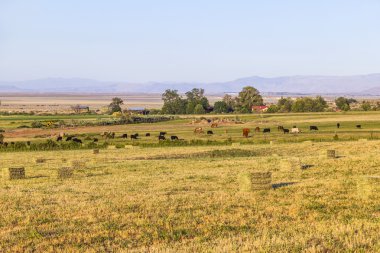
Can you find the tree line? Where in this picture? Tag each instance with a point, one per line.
(347, 104)
(303, 104)
(195, 102)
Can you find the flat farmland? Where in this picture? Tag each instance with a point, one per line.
(19, 102)
(145, 196)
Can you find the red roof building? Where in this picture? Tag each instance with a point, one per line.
(259, 108)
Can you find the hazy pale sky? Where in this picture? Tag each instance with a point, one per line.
(194, 40)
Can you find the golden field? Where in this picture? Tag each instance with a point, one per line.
(122, 201)
(190, 198)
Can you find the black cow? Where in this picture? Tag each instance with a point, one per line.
(95, 140)
(59, 138)
(358, 126)
(28, 143)
(77, 140)
(134, 136)
(161, 138)
(337, 125)
(174, 138)
(124, 136)
(266, 130)
(162, 133)
(210, 132)
(69, 138)
(286, 131)
(147, 134)
(313, 128)
(5, 144)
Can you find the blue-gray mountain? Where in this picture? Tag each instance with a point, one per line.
(360, 84)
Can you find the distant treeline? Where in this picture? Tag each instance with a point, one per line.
(195, 102)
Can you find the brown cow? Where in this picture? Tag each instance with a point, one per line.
(246, 132)
(257, 129)
(198, 130)
(214, 125)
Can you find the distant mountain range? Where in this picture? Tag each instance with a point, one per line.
(358, 84)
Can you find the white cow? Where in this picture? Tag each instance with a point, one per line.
(295, 130)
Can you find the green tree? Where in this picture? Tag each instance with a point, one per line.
(190, 107)
(272, 109)
(309, 105)
(173, 103)
(221, 107)
(342, 103)
(199, 109)
(247, 98)
(366, 106)
(284, 104)
(196, 96)
(115, 105)
(230, 102)
(320, 104)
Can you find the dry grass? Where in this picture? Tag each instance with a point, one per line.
(194, 204)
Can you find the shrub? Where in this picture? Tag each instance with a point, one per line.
(37, 124)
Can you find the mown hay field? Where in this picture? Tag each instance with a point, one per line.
(182, 199)
(124, 201)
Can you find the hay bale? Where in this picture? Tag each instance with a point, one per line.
(331, 153)
(17, 173)
(65, 172)
(255, 181)
(374, 179)
(77, 164)
(40, 160)
(261, 180)
(95, 151)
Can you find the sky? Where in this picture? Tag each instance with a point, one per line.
(192, 41)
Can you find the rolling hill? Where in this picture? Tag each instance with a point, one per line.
(358, 84)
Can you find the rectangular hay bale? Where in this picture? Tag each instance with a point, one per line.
(261, 181)
(16, 173)
(331, 153)
(65, 172)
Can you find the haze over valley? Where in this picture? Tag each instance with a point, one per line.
(355, 84)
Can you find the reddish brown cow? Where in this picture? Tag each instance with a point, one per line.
(246, 132)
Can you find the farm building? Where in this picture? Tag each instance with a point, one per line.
(259, 108)
(138, 110)
(80, 108)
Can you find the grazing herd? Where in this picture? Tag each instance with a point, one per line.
(162, 135)
(293, 130)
